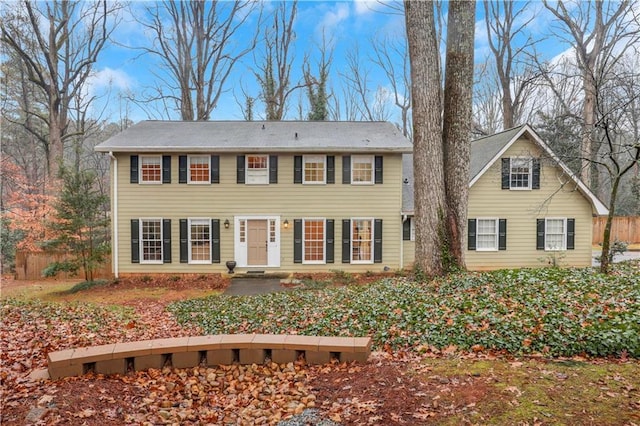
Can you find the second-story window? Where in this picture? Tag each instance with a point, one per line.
(314, 169)
(362, 169)
(199, 169)
(151, 169)
(257, 169)
(520, 173)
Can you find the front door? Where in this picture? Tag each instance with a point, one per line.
(257, 242)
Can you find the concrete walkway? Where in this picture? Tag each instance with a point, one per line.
(253, 286)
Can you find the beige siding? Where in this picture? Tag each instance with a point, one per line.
(522, 208)
(408, 253)
(285, 199)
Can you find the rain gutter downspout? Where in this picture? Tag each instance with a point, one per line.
(114, 215)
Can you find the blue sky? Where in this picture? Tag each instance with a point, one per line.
(122, 70)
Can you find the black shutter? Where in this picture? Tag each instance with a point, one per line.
(240, 169)
(166, 169)
(378, 169)
(331, 169)
(135, 240)
(406, 229)
(346, 169)
(329, 241)
(134, 168)
(535, 174)
(215, 240)
(184, 241)
(506, 171)
(182, 169)
(166, 240)
(377, 240)
(346, 240)
(273, 169)
(539, 234)
(571, 234)
(297, 240)
(502, 234)
(297, 169)
(215, 169)
(471, 234)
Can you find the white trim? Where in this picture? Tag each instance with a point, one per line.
(598, 205)
(198, 182)
(114, 222)
(497, 233)
(373, 239)
(207, 221)
(141, 244)
(145, 182)
(324, 241)
(564, 234)
(323, 158)
(273, 248)
(371, 159)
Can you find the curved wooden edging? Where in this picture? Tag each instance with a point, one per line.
(211, 350)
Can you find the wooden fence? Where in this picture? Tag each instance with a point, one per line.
(29, 266)
(623, 228)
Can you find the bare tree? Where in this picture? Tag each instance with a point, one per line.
(600, 33)
(504, 27)
(456, 132)
(196, 43)
(429, 188)
(57, 43)
(318, 92)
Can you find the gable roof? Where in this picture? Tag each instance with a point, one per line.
(263, 136)
(486, 151)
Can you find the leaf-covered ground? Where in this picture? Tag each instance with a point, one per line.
(554, 312)
(411, 379)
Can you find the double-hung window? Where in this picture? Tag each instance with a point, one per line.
(314, 241)
(362, 169)
(199, 241)
(555, 234)
(486, 234)
(151, 169)
(151, 240)
(314, 169)
(520, 173)
(199, 169)
(257, 169)
(362, 240)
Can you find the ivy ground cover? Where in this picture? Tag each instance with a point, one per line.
(555, 312)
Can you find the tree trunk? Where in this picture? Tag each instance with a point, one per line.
(430, 206)
(606, 239)
(456, 132)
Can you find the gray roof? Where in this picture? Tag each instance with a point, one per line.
(264, 136)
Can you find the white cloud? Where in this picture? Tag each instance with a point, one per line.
(334, 18)
(109, 78)
(363, 7)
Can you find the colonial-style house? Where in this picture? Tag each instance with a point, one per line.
(295, 196)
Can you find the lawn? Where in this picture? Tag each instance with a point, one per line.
(547, 346)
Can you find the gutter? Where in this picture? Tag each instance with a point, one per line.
(114, 216)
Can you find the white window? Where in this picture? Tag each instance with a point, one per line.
(151, 169)
(520, 173)
(199, 169)
(487, 234)
(199, 241)
(257, 169)
(314, 169)
(151, 240)
(313, 240)
(412, 229)
(555, 234)
(362, 240)
(362, 169)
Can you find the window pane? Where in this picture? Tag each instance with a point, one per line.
(257, 172)
(200, 240)
(257, 162)
(151, 169)
(361, 240)
(314, 169)
(486, 234)
(362, 169)
(314, 240)
(199, 169)
(151, 240)
(555, 234)
(520, 169)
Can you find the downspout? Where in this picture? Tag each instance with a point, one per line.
(114, 215)
(403, 217)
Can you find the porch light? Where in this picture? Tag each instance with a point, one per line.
(226, 224)
(286, 224)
